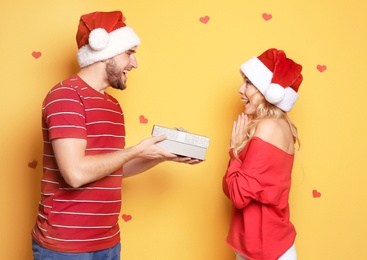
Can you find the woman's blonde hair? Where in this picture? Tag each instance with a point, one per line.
(265, 110)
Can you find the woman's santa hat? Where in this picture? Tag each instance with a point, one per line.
(275, 76)
(103, 35)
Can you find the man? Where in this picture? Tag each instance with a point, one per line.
(84, 158)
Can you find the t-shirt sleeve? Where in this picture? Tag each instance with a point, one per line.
(256, 177)
(64, 114)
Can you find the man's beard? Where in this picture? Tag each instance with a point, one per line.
(114, 75)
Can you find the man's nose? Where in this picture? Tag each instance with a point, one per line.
(133, 62)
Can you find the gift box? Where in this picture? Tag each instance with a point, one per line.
(182, 143)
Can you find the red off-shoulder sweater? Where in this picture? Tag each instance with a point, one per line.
(258, 187)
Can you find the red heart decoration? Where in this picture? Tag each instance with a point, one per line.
(321, 68)
(33, 164)
(316, 194)
(143, 120)
(204, 19)
(266, 16)
(126, 218)
(36, 54)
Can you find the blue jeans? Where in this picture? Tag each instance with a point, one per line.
(40, 253)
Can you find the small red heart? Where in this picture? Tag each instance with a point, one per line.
(126, 218)
(33, 164)
(143, 120)
(316, 194)
(204, 19)
(266, 16)
(36, 54)
(321, 68)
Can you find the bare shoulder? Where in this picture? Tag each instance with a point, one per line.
(276, 132)
(266, 128)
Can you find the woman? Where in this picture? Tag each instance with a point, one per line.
(263, 141)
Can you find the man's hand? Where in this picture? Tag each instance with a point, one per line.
(148, 150)
(153, 152)
(186, 160)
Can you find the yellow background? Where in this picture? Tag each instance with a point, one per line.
(188, 77)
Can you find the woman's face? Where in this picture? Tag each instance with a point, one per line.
(248, 95)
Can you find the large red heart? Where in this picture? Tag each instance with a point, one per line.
(321, 68)
(143, 120)
(126, 218)
(316, 194)
(204, 19)
(266, 16)
(32, 164)
(36, 54)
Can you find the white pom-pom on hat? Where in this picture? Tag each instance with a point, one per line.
(274, 93)
(98, 39)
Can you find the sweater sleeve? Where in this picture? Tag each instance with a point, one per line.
(262, 175)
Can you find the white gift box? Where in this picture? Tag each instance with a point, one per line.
(181, 142)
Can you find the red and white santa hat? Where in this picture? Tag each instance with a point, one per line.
(103, 35)
(275, 76)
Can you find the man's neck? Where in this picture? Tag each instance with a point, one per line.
(95, 76)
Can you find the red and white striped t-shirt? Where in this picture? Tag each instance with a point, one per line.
(79, 219)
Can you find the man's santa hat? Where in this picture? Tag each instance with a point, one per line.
(275, 76)
(103, 35)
